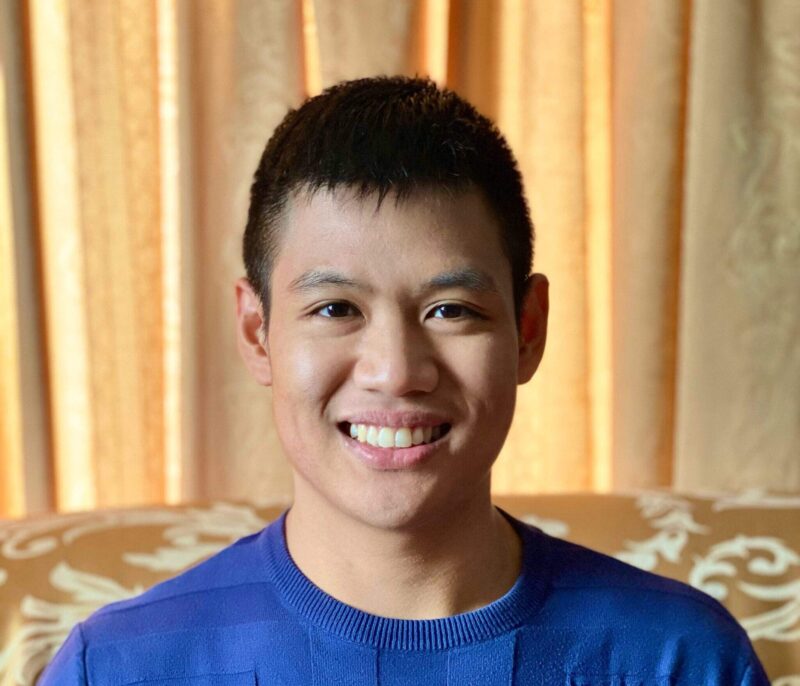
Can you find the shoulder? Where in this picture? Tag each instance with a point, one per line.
(605, 607)
(211, 619)
(599, 578)
(226, 590)
(231, 587)
(67, 668)
(600, 614)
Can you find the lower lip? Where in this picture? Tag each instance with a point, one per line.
(387, 459)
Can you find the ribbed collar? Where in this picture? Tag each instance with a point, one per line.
(514, 608)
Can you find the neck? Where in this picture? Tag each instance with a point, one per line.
(447, 566)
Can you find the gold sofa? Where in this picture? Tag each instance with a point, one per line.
(744, 549)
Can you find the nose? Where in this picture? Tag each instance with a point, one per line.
(396, 358)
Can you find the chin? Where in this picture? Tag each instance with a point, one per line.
(398, 509)
(396, 518)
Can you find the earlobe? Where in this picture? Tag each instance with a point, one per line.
(250, 336)
(533, 327)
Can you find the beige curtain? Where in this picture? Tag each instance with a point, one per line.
(659, 143)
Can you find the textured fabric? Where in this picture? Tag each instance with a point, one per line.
(248, 615)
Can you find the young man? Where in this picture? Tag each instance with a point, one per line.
(389, 305)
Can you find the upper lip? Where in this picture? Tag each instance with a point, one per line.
(396, 419)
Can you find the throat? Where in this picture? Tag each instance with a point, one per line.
(409, 578)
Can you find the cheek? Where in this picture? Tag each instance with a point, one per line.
(488, 366)
(302, 383)
(305, 374)
(489, 375)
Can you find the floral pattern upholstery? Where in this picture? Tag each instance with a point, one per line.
(743, 549)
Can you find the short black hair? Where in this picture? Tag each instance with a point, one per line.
(386, 135)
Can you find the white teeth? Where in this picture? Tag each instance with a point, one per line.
(372, 436)
(388, 437)
(402, 438)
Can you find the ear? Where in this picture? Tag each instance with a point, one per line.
(533, 328)
(250, 335)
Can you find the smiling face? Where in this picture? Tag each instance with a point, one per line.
(401, 319)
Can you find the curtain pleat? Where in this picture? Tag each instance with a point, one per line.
(650, 81)
(116, 115)
(176, 289)
(64, 283)
(354, 34)
(658, 144)
(597, 86)
(12, 491)
(25, 470)
(247, 70)
(738, 377)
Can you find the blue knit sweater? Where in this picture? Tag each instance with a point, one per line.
(249, 616)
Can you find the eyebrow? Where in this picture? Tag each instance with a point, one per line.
(468, 278)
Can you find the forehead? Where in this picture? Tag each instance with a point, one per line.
(427, 233)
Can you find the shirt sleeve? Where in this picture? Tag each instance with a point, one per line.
(67, 668)
(755, 676)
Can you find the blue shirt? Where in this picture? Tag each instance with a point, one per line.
(249, 616)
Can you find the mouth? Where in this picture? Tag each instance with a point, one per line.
(394, 437)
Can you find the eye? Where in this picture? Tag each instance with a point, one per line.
(454, 311)
(335, 310)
